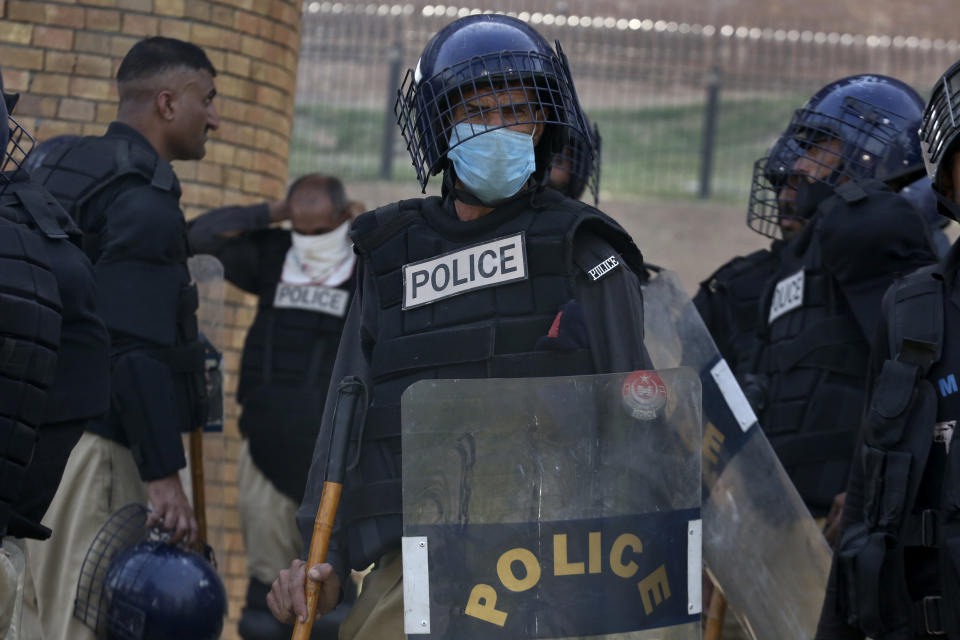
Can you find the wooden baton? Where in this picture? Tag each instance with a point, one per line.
(196, 480)
(349, 394)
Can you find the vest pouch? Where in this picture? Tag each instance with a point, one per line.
(867, 565)
(281, 425)
(887, 415)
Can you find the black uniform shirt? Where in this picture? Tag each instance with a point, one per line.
(612, 312)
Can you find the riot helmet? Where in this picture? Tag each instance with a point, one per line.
(478, 75)
(45, 148)
(920, 194)
(17, 143)
(856, 128)
(577, 166)
(159, 591)
(939, 137)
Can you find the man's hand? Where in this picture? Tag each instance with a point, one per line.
(287, 599)
(279, 210)
(171, 510)
(832, 529)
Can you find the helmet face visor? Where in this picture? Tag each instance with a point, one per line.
(523, 90)
(19, 144)
(818, 151)
(941, 124)
(577, 166)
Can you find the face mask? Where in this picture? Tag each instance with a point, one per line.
(493, 165)
(318, 257)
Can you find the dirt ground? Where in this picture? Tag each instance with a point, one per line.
(690, 237)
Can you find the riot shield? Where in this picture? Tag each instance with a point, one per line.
(12, 565)
(760, 543)
(207, 448)
(553, 507)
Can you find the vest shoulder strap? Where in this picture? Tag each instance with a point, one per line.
(372, 229)
(915, 319)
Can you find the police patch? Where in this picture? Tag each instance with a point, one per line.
(644, 394)
(309, 297)
(483, 265)
(787, 296)
(604, 268)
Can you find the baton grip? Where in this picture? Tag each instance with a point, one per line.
(322, 528)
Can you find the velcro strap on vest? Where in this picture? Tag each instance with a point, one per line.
(851, 192)
(433, 349)
(540, 364)
(372, 499)
(189, 301)
(41, 213)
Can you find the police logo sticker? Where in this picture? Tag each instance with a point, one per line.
(787, 296)
(483, 265)
(308, 297)
(644, 394)
(604, 268)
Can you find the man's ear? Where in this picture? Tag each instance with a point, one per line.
(164, 103)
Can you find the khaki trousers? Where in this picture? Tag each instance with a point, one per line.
(378, 612)
(100, 478)
(268, 521)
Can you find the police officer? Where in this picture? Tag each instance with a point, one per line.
(896, 573)
(29, 339)
(304, 279)
(122, 192)
(499, 277)
(824, 183)
(578, 165)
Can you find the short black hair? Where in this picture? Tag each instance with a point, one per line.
(321, 182)
(156, 55)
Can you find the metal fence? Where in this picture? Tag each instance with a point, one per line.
(683, 107)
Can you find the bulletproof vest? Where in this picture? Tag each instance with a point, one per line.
(735, 292)
(457, 300)
(808, 375)
(30, 300)
(285, 369)
(81, 388)
(898, 538)
(75, 173)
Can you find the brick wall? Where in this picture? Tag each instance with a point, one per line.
(62, 55)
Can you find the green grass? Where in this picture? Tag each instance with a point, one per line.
(647, 151)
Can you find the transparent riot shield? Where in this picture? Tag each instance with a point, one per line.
(553, 507)
(12, 566)
(760, 543)
(207, 448)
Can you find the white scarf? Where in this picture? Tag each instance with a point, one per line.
(325, 258)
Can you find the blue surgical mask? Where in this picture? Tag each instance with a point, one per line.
(495, 164)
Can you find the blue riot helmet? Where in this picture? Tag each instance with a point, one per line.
(158, 591)
(577, 166)
(17, 143)
(920, 194)
(939, 135)
(856, 128)
(45, 148)
(485, 55)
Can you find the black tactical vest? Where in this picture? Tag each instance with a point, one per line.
(730, 299)
(30, 303)
(81, 388)
(75, 174)
(898, 564)
(812, 364)
(285, 369)
(482, 332)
